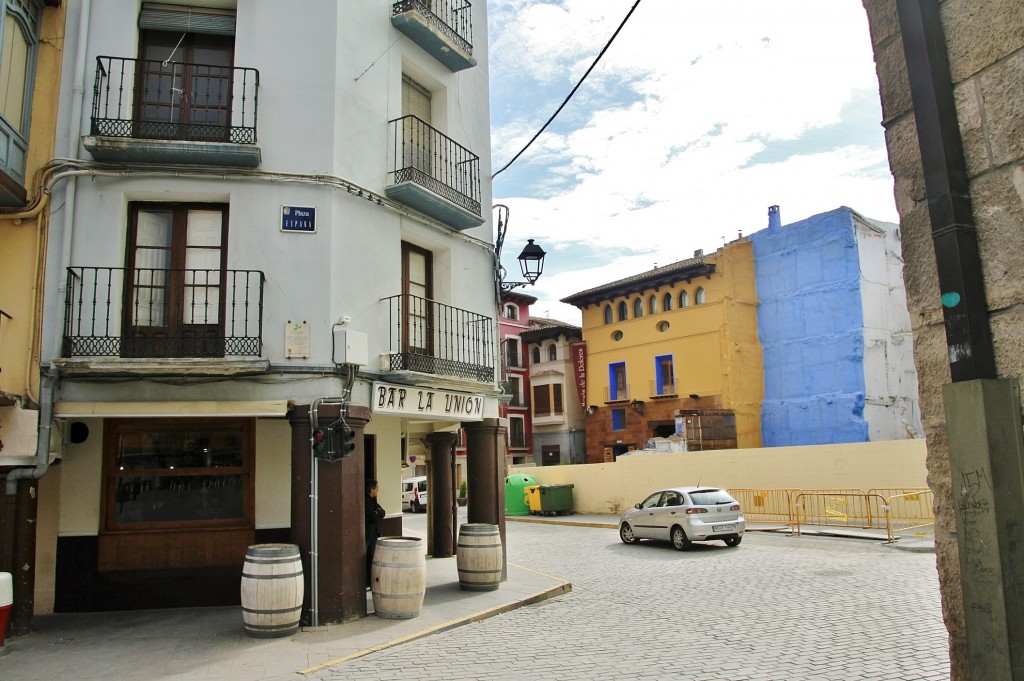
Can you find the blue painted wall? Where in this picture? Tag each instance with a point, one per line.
(810, 325)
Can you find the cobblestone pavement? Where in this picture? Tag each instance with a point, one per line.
(776, 607)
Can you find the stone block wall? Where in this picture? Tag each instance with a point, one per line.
(985, 43)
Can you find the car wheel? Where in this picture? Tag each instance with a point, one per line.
(680, 540)
(733, 541)
(626, 534)
(416, 507)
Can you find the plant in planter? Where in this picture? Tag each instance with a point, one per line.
(462, 493)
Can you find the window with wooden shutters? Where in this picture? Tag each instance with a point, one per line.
(556, 398)
(541, 400)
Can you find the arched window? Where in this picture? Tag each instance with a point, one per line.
(535, 354)
(699, 297)
(607, 314)
(666, 302)
(623, 311)
(652, 305)
(638, 308)
(684, 299)
(552, 352)
(511, 312)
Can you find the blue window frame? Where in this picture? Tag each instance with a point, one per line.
(617, 382)
(665, 375)
(618, 419)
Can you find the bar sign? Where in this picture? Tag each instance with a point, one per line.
(298, 219)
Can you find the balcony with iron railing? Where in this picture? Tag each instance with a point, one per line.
(662, 389)
(443, 28)
(146, 313)
(619, 393)
(434, 174)
(433, 338)
(173, 112)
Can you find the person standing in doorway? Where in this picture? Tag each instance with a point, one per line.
(374, 514)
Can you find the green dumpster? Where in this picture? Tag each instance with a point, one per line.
(555, 499)
(515, 494)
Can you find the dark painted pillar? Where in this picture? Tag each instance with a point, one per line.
(21, 554)
(441, 536)
(485, 470)
(340, 518)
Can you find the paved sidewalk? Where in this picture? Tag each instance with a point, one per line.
(210, 643)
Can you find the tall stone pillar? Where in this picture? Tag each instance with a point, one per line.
(485, 467)
(340, 521)
(442, 517)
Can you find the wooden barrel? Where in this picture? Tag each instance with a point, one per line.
(272, 590)
(398, 577)
(479, 557)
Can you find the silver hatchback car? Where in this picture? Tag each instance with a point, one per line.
(684, 515)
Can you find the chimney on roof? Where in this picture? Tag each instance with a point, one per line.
(698, 253)
(774, 219)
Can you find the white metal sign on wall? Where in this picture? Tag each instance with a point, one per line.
(423, 402)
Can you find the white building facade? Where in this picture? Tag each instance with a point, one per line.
(275, 220)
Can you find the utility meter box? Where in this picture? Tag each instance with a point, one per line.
(351, 347)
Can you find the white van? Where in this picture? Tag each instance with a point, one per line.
(414, 494)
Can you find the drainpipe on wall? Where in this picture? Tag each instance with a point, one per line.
(46, 388)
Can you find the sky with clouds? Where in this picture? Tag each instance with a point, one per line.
(699, 116)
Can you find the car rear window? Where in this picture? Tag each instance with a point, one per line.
(710, 497)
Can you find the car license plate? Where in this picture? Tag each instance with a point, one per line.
(723, 528)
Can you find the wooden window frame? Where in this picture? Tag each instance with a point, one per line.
(115, 427)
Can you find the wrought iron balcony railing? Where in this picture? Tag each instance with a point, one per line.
(434, 338)
(451, 18)
(144, 99)
(144, 312)
(436, 162)
(662, 388)
(616, 393)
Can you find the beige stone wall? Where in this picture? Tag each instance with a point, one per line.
(614, 487)
(985, 42)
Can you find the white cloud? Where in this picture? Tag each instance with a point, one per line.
(652, 158)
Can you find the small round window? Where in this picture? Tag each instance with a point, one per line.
(663, 326)
(617, 336)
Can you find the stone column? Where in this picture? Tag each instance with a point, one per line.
(485, 459)
(340, 518)
(441, 535)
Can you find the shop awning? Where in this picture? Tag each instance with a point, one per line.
(265, 408)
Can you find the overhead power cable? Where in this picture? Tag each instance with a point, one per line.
(566, 101)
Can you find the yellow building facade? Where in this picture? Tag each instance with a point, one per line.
(33, 44)
(674, 351)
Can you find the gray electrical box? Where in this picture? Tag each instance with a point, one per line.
(350, 347)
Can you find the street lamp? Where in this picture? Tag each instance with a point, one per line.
(531, 260)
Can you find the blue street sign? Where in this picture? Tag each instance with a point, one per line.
(298, 219)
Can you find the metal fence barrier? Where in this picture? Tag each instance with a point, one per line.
(893, 510)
